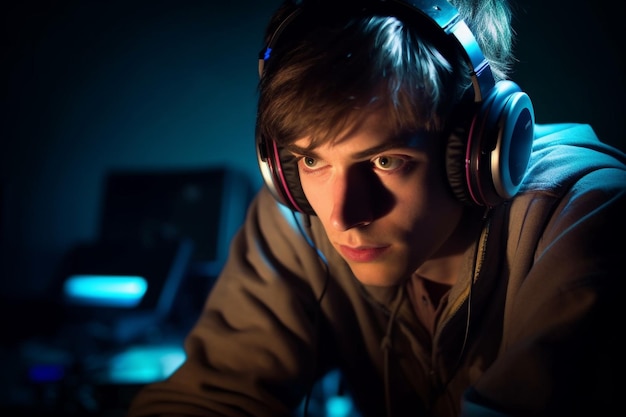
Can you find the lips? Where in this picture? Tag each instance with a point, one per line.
(362, 254)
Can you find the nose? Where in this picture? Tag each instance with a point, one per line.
(353, 199)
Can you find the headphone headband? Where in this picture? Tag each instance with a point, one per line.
(441, 13)
(447, 17)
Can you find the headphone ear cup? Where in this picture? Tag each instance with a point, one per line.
(280, 174)
(498, 145)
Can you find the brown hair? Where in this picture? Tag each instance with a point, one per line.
(329, 72)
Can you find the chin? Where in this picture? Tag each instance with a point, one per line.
(368, 274)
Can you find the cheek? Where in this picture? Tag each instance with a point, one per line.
(430, 207)
(427, 191)
(315, 196)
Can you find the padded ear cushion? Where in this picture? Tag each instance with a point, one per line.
(291, 182)
(499, 143)
(280, 174)
(456, 147)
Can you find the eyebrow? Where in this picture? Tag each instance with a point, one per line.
(403, 141)
(298, 150)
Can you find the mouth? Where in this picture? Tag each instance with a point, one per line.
(362, 254)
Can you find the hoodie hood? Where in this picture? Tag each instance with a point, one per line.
(562, 153)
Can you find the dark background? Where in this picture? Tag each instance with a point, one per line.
(94, 87)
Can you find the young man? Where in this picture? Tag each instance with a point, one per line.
(417, 232)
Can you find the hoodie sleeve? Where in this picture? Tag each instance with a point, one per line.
(250, 352)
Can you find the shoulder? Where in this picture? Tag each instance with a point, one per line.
(565, 154)
(572, 179)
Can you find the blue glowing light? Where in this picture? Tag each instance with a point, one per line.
(268, 52)
(105, 290)
(144, 364)
(339, 406)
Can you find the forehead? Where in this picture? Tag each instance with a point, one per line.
(372, 130)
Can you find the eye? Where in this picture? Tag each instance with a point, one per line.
(388, 163)
(308, 164)
(308, 161)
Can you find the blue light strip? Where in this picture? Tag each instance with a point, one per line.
(105, 290)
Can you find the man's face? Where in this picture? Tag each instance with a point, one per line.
(382, 200)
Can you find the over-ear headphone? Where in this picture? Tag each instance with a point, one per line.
(486, 159)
